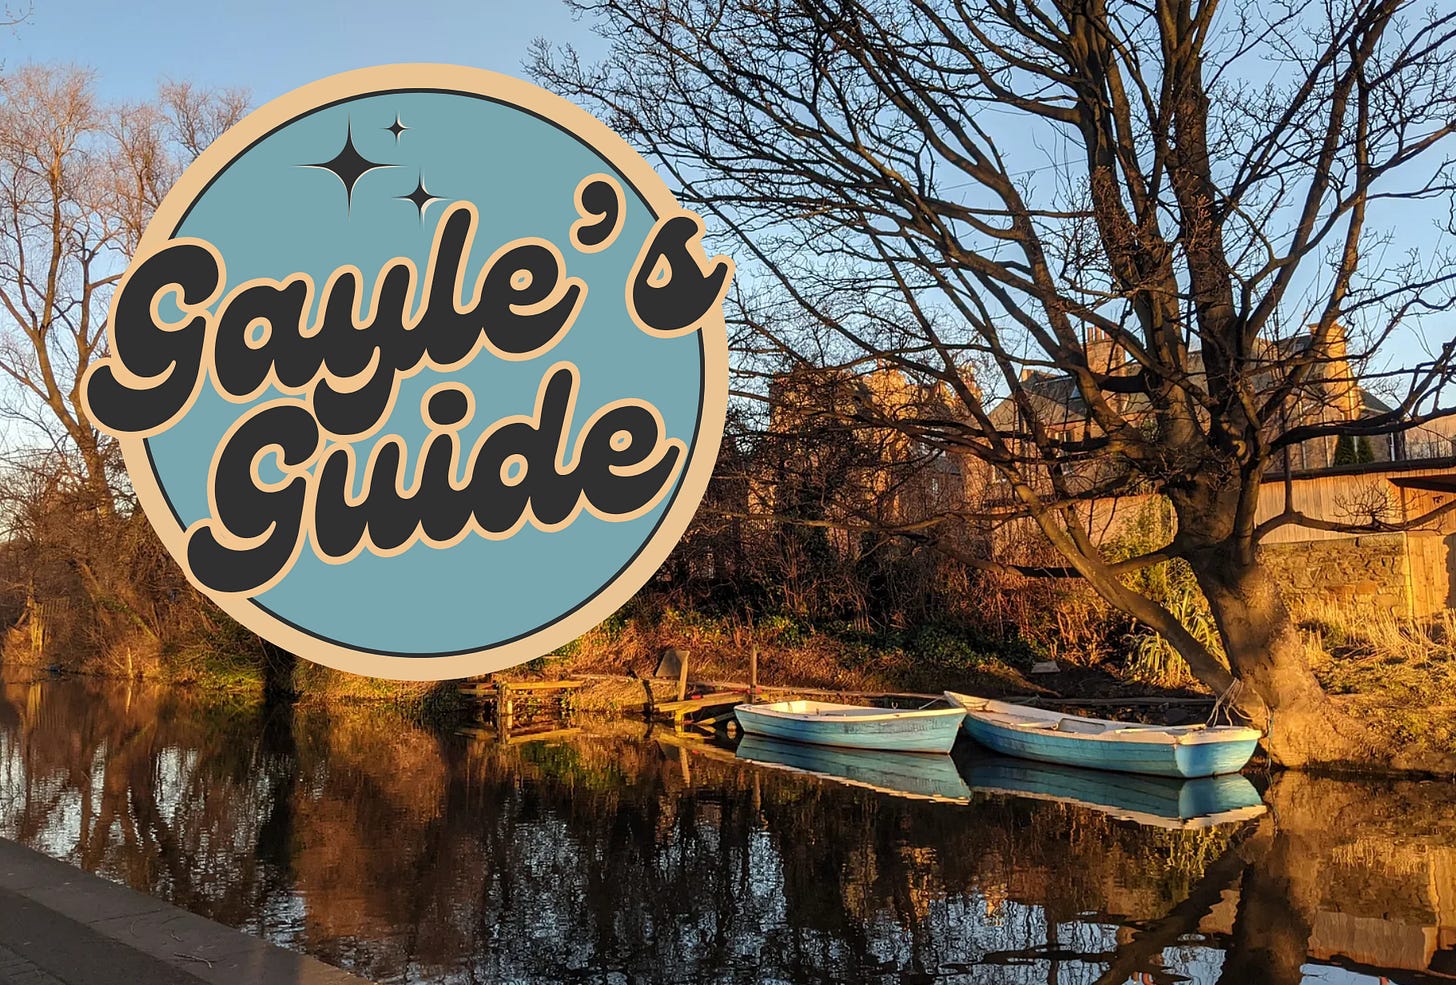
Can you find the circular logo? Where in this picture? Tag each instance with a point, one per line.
(419, 371)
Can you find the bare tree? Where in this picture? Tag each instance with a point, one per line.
(79, 179)
(1180, 212)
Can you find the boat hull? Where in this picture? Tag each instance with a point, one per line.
(1204, 758)
(920, 731)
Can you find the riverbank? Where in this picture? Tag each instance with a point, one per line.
(63, 926)
(1399, 676)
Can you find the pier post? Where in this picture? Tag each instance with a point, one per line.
(753, 673)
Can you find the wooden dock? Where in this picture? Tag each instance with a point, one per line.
(508, 701)
(705, 711)
(486, 689)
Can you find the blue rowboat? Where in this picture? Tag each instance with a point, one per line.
(854, 726)
(1154, 801)
(1100, 743)
(899, 774)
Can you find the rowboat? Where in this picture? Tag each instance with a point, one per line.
(1153, 801)
(856, 727)
(898, 774)
(1100, 743)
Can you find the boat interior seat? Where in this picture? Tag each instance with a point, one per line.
(1080, 727)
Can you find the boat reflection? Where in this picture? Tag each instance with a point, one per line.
(1156, 801)
(921, 776)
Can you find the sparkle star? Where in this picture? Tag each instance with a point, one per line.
(396, 128)
(349, 166)
(420, 197)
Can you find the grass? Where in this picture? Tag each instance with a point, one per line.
(315, 684)
(1399, 674)
(1153, 660)
(796, 652)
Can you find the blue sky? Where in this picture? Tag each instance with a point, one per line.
(272, 46)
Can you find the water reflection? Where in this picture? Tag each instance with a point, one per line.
(926, 776)
(1157, 801)
(408, 855)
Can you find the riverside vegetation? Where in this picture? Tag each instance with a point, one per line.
(97, 595)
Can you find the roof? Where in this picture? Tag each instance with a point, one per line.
(1427, 473)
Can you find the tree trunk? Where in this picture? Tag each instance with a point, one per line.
(1303, 727)
(98, 486)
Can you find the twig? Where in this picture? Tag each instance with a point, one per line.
(192, 957)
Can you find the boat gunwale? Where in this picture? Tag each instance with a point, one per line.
(1122, 733)
(867, 715)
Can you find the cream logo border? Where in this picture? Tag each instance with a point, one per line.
(670, 252)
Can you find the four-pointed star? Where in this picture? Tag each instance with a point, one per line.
(348, 165)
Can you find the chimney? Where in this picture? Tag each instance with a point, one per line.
(1103, 354)
(1340, 387)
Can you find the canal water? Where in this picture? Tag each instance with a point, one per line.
(620, 855)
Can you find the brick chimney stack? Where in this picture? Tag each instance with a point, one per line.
(1103, 354)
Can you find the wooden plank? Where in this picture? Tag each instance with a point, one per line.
(696, 745)
(567, 685)
(483, 734)
(706, 701)
(868, 695)
(1111, 702)
(716, 719)
(912, 695)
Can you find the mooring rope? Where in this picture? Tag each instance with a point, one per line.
(1225, 702)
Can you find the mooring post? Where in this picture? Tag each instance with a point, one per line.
(752, 661)
(753, 674)
(648, 709)
(504, 709)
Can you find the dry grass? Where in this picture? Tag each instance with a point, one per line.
(792, 653)
(1399, 674)
(316, 684)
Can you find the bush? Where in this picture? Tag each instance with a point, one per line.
(962, 648)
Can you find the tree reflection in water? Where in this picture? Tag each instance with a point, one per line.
(409, 855)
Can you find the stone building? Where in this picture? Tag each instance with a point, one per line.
(825, 451)
(869, 475)
(1332, 394)
(1383, 482)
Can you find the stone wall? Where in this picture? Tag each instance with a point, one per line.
(1372, 570)
(1408, 574)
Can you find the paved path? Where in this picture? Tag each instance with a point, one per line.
(62, 926)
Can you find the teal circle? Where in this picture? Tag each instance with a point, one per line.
(271, 214)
